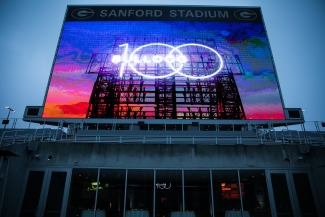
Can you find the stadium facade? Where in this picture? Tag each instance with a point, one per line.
(162, 111)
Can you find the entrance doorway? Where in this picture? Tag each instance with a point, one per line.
(291, 194)
(45, 192)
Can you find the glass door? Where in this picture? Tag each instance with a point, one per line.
(282, 199)
(303, 192)
(291, 194)
(34, 187)
(46, 192)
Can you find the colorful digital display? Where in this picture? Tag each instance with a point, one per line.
(172, 69)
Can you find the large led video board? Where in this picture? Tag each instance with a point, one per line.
(163, 62)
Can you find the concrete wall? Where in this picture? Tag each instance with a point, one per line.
(14, 184)
(159, 156)
(168, 156)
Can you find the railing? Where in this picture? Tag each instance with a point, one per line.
(129, 131)
(12, 136)
(297, 137)
(19, 123)
(96, 136)
(167, 139)
(43, 133)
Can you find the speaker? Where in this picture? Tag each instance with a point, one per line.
(294, 114)
(32, 111)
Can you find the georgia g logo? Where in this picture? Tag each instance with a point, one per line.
(245, 14)
(82, 13)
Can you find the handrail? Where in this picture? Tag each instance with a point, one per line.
(258, 131)
(29, 122)
(32, 137)
(43, 133)
(169, 139)
(290, 135)
(319, 133)
(273, 131)
(11, 131)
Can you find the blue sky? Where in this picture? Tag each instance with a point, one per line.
(29, 32)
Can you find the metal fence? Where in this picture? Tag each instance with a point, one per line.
(217, 132)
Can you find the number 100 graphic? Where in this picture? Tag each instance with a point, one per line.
(170, 80)
(174, 59)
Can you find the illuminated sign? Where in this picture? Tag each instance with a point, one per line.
(163, 186)
(94, 186)
(164, 13)
(138, 65)
(173, 56)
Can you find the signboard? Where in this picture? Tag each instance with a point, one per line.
(163, 62)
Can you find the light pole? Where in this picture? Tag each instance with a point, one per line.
(5, 122)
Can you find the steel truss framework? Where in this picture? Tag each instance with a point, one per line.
(135, 97)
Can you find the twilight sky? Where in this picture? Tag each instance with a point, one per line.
(30, 31)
